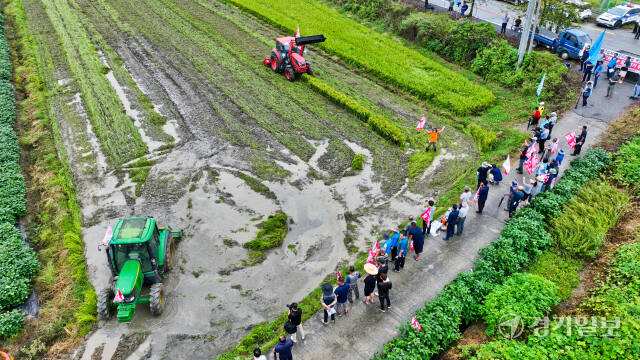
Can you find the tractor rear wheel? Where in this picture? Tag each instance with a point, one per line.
(156, 299)
(309, 71)
(169, 255)
(105, 297)
(274, 63)
(290, 74)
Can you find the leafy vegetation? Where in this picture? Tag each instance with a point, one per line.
(562, 270)
(525, 295)
(358, 162)
(581, 227)
(11, 322)
(626, 166)
(273, 231)
(375, 53)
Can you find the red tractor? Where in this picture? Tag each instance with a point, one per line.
(287, 55)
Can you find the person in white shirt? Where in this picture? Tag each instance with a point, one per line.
(462, 216)
(466, 195)
(257, 355)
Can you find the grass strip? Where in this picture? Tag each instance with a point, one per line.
(377, 54)
(118, 135)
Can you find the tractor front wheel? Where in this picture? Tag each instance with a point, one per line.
(156, 299)
(290, 74)
(105, 297)
(274, 64)
(309, 71)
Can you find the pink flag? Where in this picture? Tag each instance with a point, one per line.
(554, 148)
(426, 216)
(119, 297)
(421, 123)
(339, 276)
(297, 30)
(553, 183)
(108, 235)
(411, 246)
(370, 257)
(571, 139)
(376, 247)
(476, 196)
(531, 164)
(415, 324)
(507, 165)
(532, 150)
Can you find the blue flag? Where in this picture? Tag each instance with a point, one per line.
(595, 49)
(541, 84)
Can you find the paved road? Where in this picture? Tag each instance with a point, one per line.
(365, 330)
(493, 11)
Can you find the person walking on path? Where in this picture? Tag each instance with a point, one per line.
(433, 139)
(283, 349)
(586, 92)
(342, 295)
(613, 80)
(403, 247)
(328, 302)
(464, 8)
(523, 158)
(452, 219)
(584, 57)
(596, 73)
(466, 195)
(370, 282)
(384, 286)
(636, 90)
(505, 21)
(415, 236)
(426, 227)
(482, 173)
(588, 69)
(295, 317)
(462, 216)
(257, 354)
(483, 193)
(612, 65)
(352, 280)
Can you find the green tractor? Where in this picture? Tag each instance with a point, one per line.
(139, 252)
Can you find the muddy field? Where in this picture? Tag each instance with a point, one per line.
(226, 117)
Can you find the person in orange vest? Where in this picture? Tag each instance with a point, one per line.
(433, 139)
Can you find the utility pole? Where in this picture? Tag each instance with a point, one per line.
(522, 48)
(535, 22)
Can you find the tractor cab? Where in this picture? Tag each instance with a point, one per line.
(139, 252)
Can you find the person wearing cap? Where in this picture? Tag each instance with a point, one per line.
(483, 193)
(586, 92)
(370, 282)
(433, 139)
(415, 235)
(515, 200)
(466, 195)
(588, 68)
(462, 216)
(403, 247)
(560, 157)
(352, 281)
(613, 80)
(384, 286)
(452, 220)
(541, 107)
(328, 301)
(482, 173)
(342, 295)
(580, 141)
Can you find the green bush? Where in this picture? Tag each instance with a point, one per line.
(358, 162)
(562, 270)
(585, 220)
(485, 139)
(526, 295)
(626, 166)
(11, 322)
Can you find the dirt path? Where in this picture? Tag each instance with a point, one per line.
(365, 330)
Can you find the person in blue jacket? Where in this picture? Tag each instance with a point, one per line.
(596, 73)
(452, 219)
(496, 173)
(483, 193)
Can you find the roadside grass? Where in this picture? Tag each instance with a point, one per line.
(419, 162)
(66, 297)
(118, 136)
(562, 270)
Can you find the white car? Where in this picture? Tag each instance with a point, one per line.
(583, 9)
(619, 15)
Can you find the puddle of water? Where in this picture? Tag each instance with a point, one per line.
(101, 160)
(321, 149)
(363, 182)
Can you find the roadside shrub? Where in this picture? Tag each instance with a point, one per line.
(581, 228)
(626, 166)
(485, 139)
(561, 269)
(358, 162)
(525, 295)
(11, 322)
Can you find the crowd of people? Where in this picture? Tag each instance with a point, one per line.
(615, 73)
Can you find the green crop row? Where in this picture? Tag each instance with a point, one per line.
(18, 262)
(116, 131)
(378, 123)
(379, 55)
(522, 239)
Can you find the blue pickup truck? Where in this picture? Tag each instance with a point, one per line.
(569, 41)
